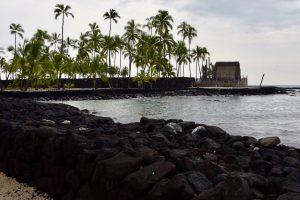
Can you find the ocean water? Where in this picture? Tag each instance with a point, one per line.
(257, 116)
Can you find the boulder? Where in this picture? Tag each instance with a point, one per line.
(235, 188)
(47, 122)
(237, 145)
(198, 181)
(173, 128)
(66, 122)
(290, 162)
(289, 196)
(198, 130)
(117, 167)
(211, 144)
(176, 188)
(187, 125)
(141, 180)
(45, 131)
(269, 141)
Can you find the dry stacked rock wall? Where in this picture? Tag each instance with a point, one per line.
(71, 154)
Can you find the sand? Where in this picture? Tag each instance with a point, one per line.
(10, 189)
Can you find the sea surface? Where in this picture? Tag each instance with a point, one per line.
(257, 116)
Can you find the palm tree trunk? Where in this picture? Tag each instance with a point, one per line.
(189, 57)
(15, 44)
(196, 70)
(62, 34)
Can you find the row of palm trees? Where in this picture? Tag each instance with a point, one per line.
(46, 58)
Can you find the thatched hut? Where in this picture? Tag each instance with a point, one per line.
(227, 71)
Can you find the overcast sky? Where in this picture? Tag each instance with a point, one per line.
(264, 35)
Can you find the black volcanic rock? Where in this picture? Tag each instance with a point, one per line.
(93, 157)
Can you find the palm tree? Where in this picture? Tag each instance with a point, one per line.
(162, 22)
(54, 39)
(191, 32)
(61, 9)
(182, 57)
(197, 55)
(120, 46)
(111, 15)
(131, 35)
(94, 38)
(16, 29)
(149, 24)
(2, 63)
(182, 28)
(204, 52)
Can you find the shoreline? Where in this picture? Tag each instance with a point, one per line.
(69, 154)
(103, 94)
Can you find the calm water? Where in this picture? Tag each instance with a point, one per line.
(258, 116)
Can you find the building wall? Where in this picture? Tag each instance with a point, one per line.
(226, 73)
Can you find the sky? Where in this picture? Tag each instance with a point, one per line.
(263, 35)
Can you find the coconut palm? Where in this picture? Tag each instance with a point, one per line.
(120, 46)
(54, 39)
(191, 32)
(131, 35)
(61, 9)
(149, 24)
(111, 15)
(182, 28)
(162, 22)
(182, 57)
(94, 38)
(16, 29)
(41, 35)
(204, 52)
(197, 56)
(33, 51)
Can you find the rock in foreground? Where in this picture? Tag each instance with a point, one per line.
(74, 155)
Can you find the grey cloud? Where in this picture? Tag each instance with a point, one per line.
(256, 14)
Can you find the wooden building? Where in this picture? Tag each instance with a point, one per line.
(227, 71)
(225, 74)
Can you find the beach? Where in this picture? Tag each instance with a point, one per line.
(11, 189)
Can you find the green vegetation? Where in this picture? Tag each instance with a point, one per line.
(44, 59)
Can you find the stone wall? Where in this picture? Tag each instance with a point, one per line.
(160, 83)
(71, 154)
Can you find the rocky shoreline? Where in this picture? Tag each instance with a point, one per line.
(103, 94)
(71, 154)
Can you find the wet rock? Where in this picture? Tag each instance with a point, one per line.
(269, 141)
